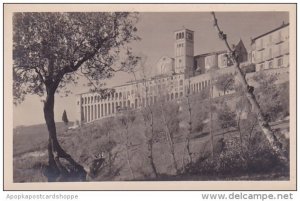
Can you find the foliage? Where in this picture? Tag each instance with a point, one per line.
(273, 98)
(226, 117)
(248, 68)
(48, 48)
(48, 51)
(257, 158)
(224, 82)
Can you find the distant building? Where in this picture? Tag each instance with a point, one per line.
(271, 49)
(175, 78)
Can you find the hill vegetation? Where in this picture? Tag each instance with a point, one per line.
(161, 142)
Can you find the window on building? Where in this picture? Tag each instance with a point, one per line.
(270, 64)
(181, 82)
(280, 62)
(92, 115)
(279, 36)
(98, 111)
(88, 115)
(128, 103)
(261, 67)
(181, 94)
(261, 43)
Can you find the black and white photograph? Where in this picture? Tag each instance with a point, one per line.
(147, 94)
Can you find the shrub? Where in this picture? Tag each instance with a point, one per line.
(257, 157)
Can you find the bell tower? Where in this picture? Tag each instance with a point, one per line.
(184, 51)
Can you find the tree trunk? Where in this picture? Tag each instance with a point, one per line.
(150, 150)
(150, 142)
(190, 125)
(263, 123)
(127, 152)
(211, 119)
(56, 170)
(169, 138)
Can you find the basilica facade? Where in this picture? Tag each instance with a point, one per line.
(175, 78)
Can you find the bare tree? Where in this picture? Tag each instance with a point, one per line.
(262, 121)
(190, 127)
(168, 113)
(147, 112)
(127, 120)
(224, 82)
(51, 49)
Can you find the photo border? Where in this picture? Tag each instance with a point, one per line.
(8, 184)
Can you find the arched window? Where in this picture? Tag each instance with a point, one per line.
(108, 108)
(128, 103)
(98, 111)
(92, 113)
(120, 95)
(88, 116)
(172, 96)
(85, 113)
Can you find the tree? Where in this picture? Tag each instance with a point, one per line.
(269, 96)
(50, 50)
(248, 90)
(224, 82)
(65, 118)
(226, 117)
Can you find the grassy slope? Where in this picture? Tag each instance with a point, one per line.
(83, 143)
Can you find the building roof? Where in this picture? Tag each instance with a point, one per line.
(210, 53)
(282, 26)
(183, 29)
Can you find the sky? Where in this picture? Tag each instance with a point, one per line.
(156, 32)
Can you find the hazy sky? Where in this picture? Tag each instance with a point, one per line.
(156, 31)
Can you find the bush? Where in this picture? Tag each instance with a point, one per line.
(256, 157)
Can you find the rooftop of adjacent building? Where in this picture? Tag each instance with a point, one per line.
(273, 30)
